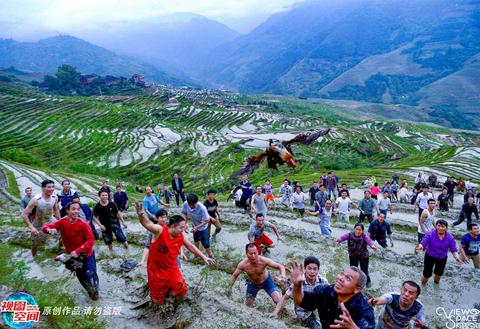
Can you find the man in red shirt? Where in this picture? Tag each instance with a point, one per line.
(78, 240)
(164, 276)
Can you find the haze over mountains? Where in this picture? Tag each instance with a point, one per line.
(423, 53)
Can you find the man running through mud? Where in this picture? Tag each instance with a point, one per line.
(46, 206)
(78, 239)
(164, 275)
(200, 218)
(255, 266)
(212, 208)
(107, 216)
(257, 236)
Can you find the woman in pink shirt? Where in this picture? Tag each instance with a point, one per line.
(374, 189)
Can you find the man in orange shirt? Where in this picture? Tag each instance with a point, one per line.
(164, 275)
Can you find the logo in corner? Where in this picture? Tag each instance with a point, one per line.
(460, 318)
(20, 310)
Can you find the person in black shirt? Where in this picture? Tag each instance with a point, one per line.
(468, 209)
(450, 184)
(105, 188)
(177, 188)
(379, 229)
(212, 207)
(344, 189)
(467, 195)
(340, 305)
(107, 216)
(312, 191)
(443, 200)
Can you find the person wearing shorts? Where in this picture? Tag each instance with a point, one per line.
(269, 192)
(471, 245)
(107, 216)
(164, 275)
(255, 266)
(198, 213)
(436, 244)
(256, 233)
(45, 206)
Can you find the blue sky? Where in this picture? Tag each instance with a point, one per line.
(24, 19)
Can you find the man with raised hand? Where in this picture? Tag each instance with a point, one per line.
(400, 308)
(255, 266)
(312, 280)
(46, 207)
(340, 305)
(164, 275)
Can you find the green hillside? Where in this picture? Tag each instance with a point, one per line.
(142, 139)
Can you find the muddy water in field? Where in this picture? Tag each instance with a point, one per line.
(208, 307)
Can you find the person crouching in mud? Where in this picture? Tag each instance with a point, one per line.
(255, 266)
(164, 275)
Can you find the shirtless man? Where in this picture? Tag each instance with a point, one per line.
(46, 205)
(164, 275)
(255, 266)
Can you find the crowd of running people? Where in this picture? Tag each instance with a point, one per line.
(340, 304)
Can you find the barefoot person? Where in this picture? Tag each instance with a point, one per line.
(339, 305)
(46, 206)
(471, 245)
(255, 266)
(256, 233)
(357, 247)
(400, 308)
(78, 240)
(212, 208)
(312, 280)
(107, 216)
(259, 203)
(436, 244)
(198, 213)
(164, 275)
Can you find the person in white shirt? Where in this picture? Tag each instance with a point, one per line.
(403, 195)
(422, 199)
(298, 200)
(342, 207)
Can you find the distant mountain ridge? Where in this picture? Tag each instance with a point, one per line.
(181, 42)
(403, 52)
(48, 54)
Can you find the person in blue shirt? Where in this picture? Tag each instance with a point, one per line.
(151, 203)
(247, 192)
(120, 198)
(87, 215)
(65, 196)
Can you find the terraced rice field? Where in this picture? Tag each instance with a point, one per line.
(143, 140)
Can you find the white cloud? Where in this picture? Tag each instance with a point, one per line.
(71, 15)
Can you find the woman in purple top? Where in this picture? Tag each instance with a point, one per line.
(436, 244)
(357, 247)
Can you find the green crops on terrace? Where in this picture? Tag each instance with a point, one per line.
(139, 139)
